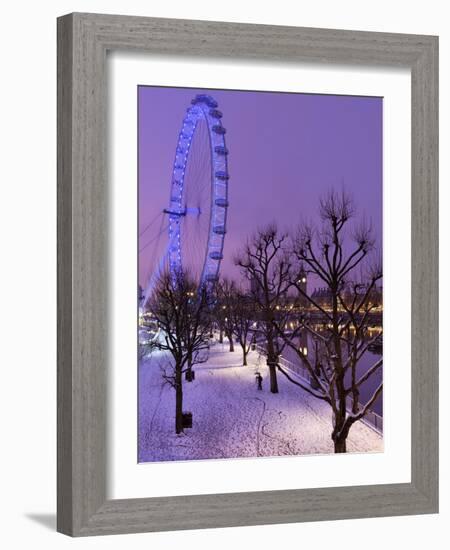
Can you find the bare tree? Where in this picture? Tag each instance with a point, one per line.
(341, 337)
(182, 314)
(267, 267)
(226, 294)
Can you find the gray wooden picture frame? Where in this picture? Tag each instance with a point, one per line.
(83, 41)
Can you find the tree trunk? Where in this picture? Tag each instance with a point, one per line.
(340, 433)
(272, 361)
(340, 445)
(230, 338)
(273, 378)
(355, 403)
(220, 336)
(314, 384)
(178, 401)
(188, 376)
(244, 357)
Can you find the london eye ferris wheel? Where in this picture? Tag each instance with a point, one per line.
(196, 214)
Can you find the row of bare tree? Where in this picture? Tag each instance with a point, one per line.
(339, 254)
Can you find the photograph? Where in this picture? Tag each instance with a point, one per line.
(260, 274)
(229, 218)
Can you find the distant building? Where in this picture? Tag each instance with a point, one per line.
(302, 283)
(322, 297)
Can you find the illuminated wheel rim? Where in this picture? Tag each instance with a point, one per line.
(198, 201)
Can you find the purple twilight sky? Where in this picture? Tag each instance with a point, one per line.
(285, 151)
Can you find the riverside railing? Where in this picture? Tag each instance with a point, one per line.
(371, 418)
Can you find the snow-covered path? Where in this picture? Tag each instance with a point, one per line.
(231, 418)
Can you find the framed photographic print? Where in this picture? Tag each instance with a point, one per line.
(247, 282)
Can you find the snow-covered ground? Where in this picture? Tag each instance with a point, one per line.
(232, 418)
